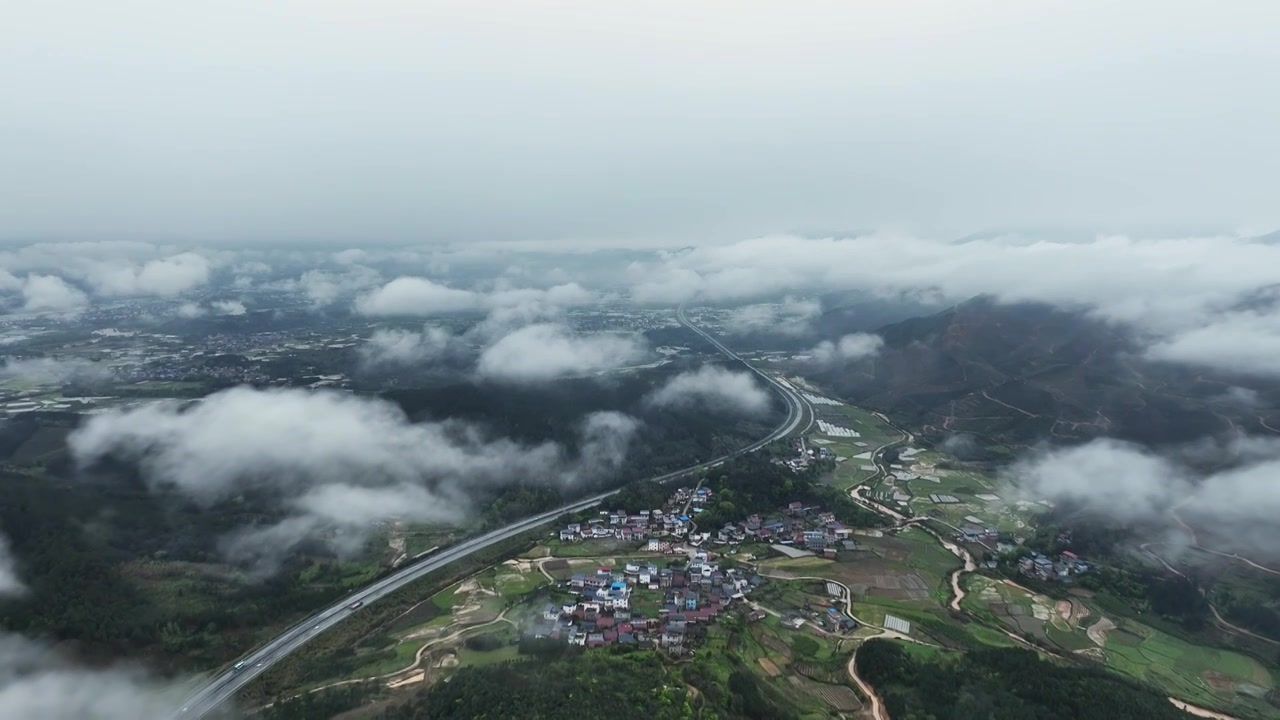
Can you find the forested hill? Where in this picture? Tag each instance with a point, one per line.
(668, 438)
(1002, 684)
(1017, 373)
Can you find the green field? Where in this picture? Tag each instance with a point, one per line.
(1202, 675)
(589, 548)
(399, 656)
(448, 598)
(1199, 674)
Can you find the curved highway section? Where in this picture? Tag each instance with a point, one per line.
(223, 686)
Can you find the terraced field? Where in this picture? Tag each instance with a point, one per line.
(1202, 675)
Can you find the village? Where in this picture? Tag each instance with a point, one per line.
(670, 604)
(642, 604)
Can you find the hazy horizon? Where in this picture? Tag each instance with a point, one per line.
(642, 126)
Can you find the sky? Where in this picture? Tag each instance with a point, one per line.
(639, 124)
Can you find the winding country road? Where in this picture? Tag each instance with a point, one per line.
(221, 687)
(877, 707)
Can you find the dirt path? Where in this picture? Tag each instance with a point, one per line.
(542, 563)
(1239, 557)
(1199, 711)
(1011, 407)
(1227, 625)
(877, 707)
(417, 660)
(1217, 616)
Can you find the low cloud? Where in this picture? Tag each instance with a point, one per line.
(1242, 342)
(547, 351)
(106, 269)
(36, 681)
(42, 293)
(47, 370)
(10, 584)
(191, 310)
(715, 388)
(163, 277)
(387, 348)
(324, 288)
(855, 346)
(420, 297)
(350, 256)
(415, 296)
(1182, 294)
(228, 307)
(790, 317)
(962, 446)
(1121, 479)
(1240, 397)
(335, 460)
(1128, 483)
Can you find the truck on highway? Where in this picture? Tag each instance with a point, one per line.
(355, 605)
(239, 666)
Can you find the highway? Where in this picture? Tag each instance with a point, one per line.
(226, 684)
(797, 406)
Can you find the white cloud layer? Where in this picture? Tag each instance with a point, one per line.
(228, 307)
(163, 277)
(421, 297)
(38, 682)
(10, 584)
(336, 460)
(546, 351)
(41, 293)
(1243, 342)
(191, 310)
(1128, 483)
(406, 347)
(415, 296)
(854, 346)
(790, 317)
(1181, 293)
(715, 388)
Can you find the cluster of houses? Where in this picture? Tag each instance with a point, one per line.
(657, 527)
(603, 611)
(635, 527)
(802, 526)
(1043, 567)
(804, 456)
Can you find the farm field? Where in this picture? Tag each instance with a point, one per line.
(856, 467)
(909, 566)
(979, 495)
(805, 668)
(1203, 675)
(479, 605)
(1199, 674)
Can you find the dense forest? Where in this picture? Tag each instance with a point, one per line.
(1002, 684)
(668, 438)
(620, 683)
(752, 484)
(755, 484)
